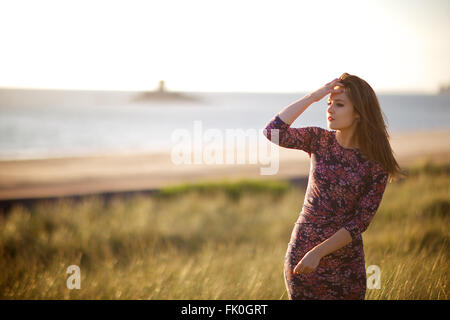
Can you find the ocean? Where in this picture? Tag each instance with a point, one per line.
(34, 131)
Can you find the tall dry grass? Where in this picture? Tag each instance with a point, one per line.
(215, 241)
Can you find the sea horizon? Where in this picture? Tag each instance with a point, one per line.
(91, 125)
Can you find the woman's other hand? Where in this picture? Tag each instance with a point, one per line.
(308, 263)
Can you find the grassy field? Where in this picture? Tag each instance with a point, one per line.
(215, 241)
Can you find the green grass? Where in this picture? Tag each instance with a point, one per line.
(223, 240)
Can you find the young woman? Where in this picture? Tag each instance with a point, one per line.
(350, 167)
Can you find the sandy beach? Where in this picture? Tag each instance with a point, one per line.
(117, 173)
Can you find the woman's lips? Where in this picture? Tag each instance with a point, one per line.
(330, 119)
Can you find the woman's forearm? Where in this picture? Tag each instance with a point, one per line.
(294, 110)
(338, 240)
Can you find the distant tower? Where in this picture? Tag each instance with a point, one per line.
(162, 86)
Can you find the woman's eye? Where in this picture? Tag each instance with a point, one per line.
(340, 105)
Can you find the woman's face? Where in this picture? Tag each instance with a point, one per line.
(342, 112)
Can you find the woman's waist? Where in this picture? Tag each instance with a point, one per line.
(319, 216)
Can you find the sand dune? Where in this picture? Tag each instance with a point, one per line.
(114, 173)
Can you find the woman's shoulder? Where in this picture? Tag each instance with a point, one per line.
(319, 131)
(326, 136)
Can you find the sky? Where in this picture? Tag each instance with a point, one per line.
(243, 45)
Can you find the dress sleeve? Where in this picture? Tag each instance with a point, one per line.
(368, 204)
(305, 138)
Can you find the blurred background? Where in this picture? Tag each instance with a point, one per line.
(92, 91)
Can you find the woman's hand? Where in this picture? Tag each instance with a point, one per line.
(309, 262)
(334, 87)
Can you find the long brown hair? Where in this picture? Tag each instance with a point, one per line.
(371, 133)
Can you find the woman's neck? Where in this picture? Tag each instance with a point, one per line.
(346, 138)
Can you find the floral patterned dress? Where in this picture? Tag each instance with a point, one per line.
(344, 191)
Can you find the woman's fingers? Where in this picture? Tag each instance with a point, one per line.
(302, 270)
(339, 88)
(334, 83)
(329, 88)
(297, 269)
